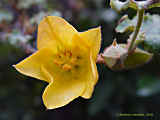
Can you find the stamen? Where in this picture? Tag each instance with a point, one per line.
(66, 67)
(78, 57)
(76, 66)
(73, 60)
(68, 53)
(58, 62)
(59, 56)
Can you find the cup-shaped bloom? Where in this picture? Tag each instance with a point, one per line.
(66, 59)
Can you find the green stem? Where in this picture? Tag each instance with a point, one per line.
(138, 26)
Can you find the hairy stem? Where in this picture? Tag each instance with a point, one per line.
(140, 14)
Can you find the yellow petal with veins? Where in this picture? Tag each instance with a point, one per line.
(47, 75)
(93, 38)
(53, 31)
(32, 65)
(69, 83)
(91, 81)
(79, 45)
(62, 91)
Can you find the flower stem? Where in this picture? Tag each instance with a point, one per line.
(138, 26)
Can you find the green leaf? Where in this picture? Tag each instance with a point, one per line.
(150, 28)
(154, 3)
(28, 3)
(38, 17)
(101, 100)
(117, 58)
(137, 58)
(144, 4)
(126, 25)
(5, 15)
(119, 5)
(16, 37)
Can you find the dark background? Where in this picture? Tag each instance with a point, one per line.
(133, 91)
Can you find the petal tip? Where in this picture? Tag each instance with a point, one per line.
(18, 69)
(87, 97)
(14, 66)
(51, 107)
(98, 28)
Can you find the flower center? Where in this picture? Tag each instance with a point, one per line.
(66, 67)
(66, 60)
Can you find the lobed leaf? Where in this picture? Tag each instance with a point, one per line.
(144, 4)
(119, 5)
(150, 28)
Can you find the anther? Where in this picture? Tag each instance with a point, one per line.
(67, 53)
(58, 62)
(66, 67)
(59, 56)
(73, 60)
(78, 57)
(76, 66)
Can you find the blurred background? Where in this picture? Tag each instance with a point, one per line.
(133, 91)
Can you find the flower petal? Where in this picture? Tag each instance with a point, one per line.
(69, 84)
(79, 45)
(54, 30)
(83, 48)
(47, 75)
(62, 91)
(32, 65)
(91, 81)
(93, 39)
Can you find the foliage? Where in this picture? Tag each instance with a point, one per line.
(151, 41)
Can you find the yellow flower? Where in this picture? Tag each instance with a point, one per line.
(66, 59)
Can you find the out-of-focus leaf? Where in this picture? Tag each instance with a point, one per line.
(16, 37)
(148, 85)
(100, 100)
(5, 15)
(98, 3)
(117, 58)
(150, 28)
(28, 3)
(108, 15)
(38, 17)
(154, 3)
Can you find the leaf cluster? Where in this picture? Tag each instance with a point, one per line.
(147, 41)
